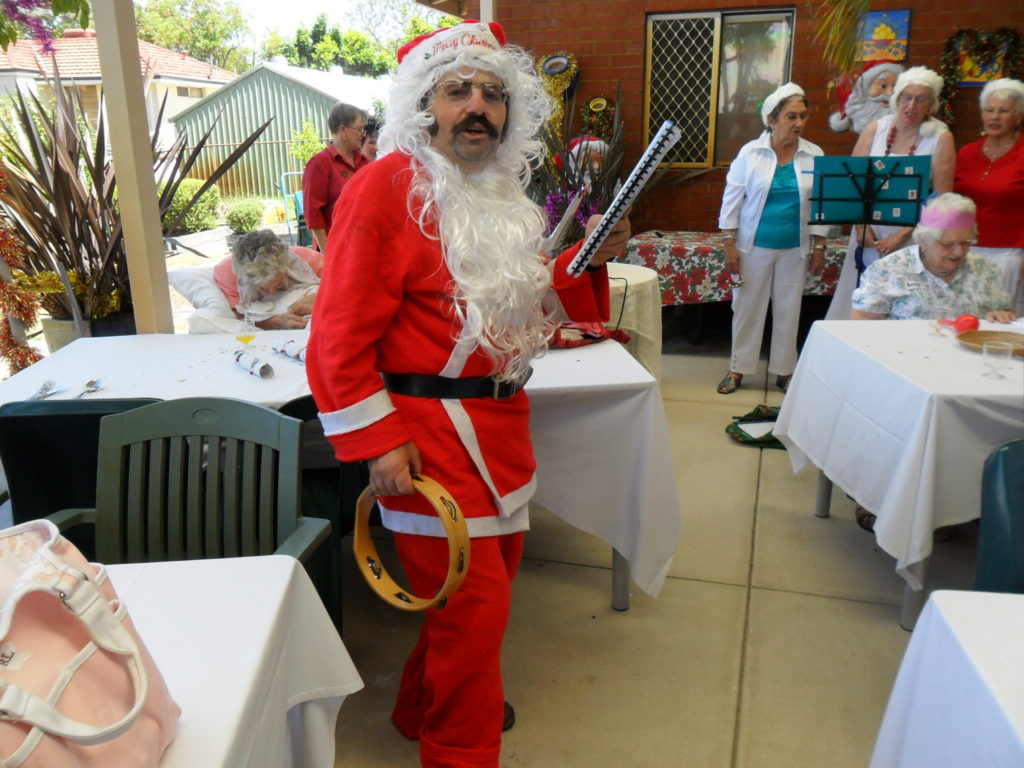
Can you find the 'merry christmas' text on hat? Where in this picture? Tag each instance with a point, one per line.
(442, 46)
(776, 97)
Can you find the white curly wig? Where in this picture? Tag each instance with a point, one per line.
(490, 231)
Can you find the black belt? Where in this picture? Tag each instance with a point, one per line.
(443, 387)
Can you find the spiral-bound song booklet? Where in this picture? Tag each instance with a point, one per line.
(665, 139)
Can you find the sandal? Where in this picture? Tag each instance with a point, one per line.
(782, 382)
(730, 383)
(865, 519)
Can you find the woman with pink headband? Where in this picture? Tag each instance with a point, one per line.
(940, 270)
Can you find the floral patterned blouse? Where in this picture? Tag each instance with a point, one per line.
(899, 287)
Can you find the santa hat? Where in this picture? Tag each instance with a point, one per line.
(870, 70)
(917, 76)
(442, 46)
(778, 96)
(1002, 84)
(579, 145)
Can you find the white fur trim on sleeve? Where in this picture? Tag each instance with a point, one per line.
(362, 414)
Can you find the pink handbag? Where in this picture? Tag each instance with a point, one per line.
(77, 686)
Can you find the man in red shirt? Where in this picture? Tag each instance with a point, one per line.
(329, 170)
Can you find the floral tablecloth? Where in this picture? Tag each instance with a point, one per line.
(689, 266)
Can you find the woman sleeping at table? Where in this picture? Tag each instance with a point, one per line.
(261, 267)
(940, 274)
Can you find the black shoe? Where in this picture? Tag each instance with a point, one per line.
(510, 718)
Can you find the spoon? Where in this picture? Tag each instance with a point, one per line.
(90, 386)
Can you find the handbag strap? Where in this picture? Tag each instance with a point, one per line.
(90, 605)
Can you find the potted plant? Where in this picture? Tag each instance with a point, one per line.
(61, 200)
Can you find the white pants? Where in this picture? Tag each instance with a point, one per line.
(1009, 261)
(767, 274)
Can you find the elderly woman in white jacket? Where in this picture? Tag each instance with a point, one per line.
(764, 216)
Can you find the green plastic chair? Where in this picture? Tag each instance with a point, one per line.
(1001, 537)
(200, 478)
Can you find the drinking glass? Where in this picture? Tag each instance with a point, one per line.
(247, 334)
(996, 356)
(939, 312)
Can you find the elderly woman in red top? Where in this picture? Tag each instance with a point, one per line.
(990, 171)
(329, 170)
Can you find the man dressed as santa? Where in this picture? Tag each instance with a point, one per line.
(433, 302)
(867, 99)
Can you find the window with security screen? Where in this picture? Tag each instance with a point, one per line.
(709, 72)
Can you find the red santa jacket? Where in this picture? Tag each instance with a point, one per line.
(385, 305)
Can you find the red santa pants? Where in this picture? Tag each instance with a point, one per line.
(451, 696)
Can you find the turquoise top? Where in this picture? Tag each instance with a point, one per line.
(779, 226)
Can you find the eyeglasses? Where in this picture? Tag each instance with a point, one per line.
(906, 98)
(360, 131)
(459, 91)
(964, 245)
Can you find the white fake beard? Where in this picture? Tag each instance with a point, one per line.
(491, 234)
(863, 109)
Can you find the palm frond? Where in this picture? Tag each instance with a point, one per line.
(839, 32)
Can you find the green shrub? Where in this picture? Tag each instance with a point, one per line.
(202, 215)
(245, 216)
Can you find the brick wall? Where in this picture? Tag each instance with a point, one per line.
(608, 39)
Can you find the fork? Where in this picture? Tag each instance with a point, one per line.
(45, 390)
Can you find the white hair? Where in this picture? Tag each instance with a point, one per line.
(490, 231)
(257, 258)
(947, 201)
(917, 76)
(1004, 88)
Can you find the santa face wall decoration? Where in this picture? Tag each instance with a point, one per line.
(867, 98)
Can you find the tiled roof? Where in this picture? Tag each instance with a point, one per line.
(78, 58)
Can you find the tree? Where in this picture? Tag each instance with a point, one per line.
(323, 47)
(208, 30)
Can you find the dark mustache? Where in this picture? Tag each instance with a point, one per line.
(476, 121)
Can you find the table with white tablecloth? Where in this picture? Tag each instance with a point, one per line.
(958, 699)
(249, 654)
(596, 395)
(635, 307)
(901, 418)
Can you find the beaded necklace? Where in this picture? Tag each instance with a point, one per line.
(891, 138)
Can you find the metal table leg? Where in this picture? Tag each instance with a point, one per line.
(620, 581)
(823, 499)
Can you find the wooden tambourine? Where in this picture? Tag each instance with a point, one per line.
(458, 548)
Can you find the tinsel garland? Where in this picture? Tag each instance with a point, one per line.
(557, 79)
(597, 117)
(980, 47)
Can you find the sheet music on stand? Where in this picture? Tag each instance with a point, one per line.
(665, 139)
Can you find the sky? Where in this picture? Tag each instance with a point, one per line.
(286, 15)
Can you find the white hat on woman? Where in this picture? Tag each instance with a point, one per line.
(778, 96)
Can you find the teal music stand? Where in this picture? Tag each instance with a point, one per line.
(869, 190)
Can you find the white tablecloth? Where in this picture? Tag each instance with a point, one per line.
(958, 699)
(598, 423)
(635, 303)
(250, 655)
(902, 419)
